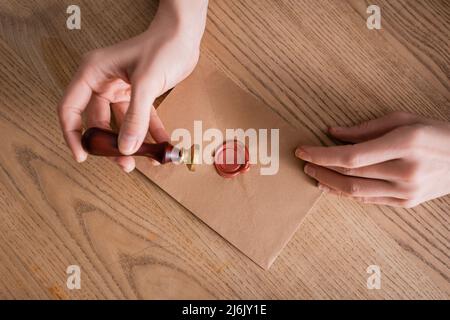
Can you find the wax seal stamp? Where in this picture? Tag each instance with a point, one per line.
(102, 142)
(231, 159)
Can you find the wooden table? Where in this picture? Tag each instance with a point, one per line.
(313, 62)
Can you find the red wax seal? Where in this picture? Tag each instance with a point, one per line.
(231, 159)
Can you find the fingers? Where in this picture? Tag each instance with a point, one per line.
(121, 92)
(157, 129)
(72, 105)
(354, 186)
(394, 170)
(127, 163)
(389, 201)
(98, 113)
(374, 128)
(135, 124)
(119, 109)
(393, 145)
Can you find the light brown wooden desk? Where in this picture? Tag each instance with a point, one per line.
(313, 62)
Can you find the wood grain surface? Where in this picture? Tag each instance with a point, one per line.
(313, 62)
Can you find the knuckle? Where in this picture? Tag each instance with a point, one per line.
(413, 174)
(352, 188)
(351, 160)
(136, 116)
(347, 171)
(132, 120)
(134, 123)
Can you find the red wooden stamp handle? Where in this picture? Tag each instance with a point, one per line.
(102, 142)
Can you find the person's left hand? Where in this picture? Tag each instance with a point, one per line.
(400, 160)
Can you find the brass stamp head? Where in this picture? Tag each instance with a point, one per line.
(191, 157)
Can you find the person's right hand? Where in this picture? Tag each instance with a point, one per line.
(127, 77)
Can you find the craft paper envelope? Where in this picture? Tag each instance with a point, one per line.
(256, 213)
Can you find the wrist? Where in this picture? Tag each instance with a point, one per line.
(181, 19)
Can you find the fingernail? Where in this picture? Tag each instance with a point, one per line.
(81, 157)
(309, 170)
(128, 169)
(323, 188)
(125, 167)
(154, 162)
(302, 154)
(127, 144)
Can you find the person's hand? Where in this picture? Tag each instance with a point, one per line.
(127, 77)
(400, 160)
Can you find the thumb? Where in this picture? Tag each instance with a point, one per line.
(374, 128)
(135, 124)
